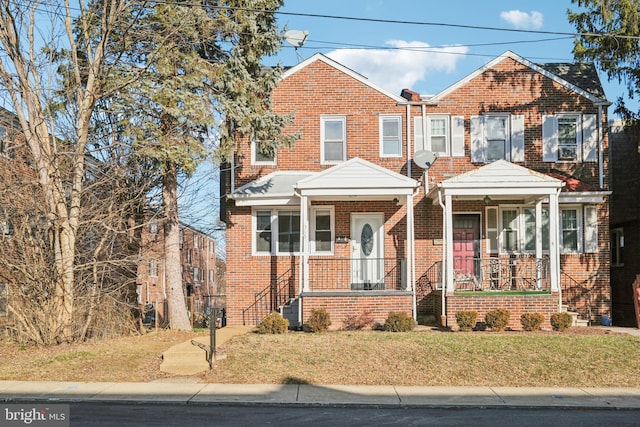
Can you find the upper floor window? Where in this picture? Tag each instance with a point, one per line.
(3, 140)
(333, 139)
(444, 134)
(4, 299)
(153, 268)
(569, 137)
(262, 154)
(497, 136)
(195, 241)
(390, 136)
(153, 226)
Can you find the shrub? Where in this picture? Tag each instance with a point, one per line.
(466, 319)
(319, 321)
(399, 321)
(561, 321)
(358, 321)
(497, 319)
(273, 324)
(531, 321)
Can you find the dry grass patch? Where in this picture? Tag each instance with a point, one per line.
(134, 358)
(433, 358)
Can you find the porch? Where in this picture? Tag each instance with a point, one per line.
(514, 273)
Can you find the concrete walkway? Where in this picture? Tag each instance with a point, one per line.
(319, 395)
(188, 358)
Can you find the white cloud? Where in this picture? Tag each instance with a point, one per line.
(402, 67)
(523, 20)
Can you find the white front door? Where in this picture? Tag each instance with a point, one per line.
(367, 251)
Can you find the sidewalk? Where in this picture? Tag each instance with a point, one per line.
(315, 395)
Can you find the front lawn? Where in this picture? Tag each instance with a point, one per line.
(433, 358)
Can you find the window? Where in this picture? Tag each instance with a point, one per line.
(181, 234)
(510, 228)
(570, 230)
(195, 273)
(569, 137)
(445, 135)
(277, 231)
(4, 299)
(153, 226)
(390, 136)
(211, 275)
(3, 140)
(263, 154)
(322, 230)
(288, 231)
(333, 137)
(497, 136)
(195, 241)
(153, 268)
(518, 234)
(263, 232)
(617, 247)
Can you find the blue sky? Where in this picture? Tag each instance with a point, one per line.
(389, 53)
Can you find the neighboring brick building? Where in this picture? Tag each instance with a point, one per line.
(348, 220)
(625, 223)
(198, 262)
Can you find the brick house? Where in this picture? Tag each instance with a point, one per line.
(509, 165)
(198, 266)
(625, 223)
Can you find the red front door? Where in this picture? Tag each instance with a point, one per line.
(466, 244)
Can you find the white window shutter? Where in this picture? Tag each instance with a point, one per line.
(477, 139)
(590, 137)
(517, 138)
(457, 136)
(590, 229)
(549, 138)
(418, 138)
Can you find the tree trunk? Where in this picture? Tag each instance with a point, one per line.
(178, 317)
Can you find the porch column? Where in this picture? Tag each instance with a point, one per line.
(554, 252)
(304, 244)
(448, 242)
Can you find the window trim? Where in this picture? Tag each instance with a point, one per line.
(398, 120)
(312, 229)
(578, 122)
(507, 135)
(273, 215)
(254, 156)
(521, 229)
(323, 121)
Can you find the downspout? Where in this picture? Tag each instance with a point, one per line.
(600, 154)
(443, 316)
(409, 156)
(558, 273)
(412, 252)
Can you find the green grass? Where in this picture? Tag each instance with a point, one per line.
(433, 358)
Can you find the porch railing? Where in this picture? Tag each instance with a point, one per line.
(501, 274)
(270, 298)
(355, 274)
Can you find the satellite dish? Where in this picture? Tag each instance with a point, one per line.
(296, 38)
(424, 158)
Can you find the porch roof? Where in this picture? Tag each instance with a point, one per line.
(351, 179)
(500, 178)
(356, 177)
(275, 188)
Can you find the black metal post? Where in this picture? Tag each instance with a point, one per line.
(212, 335)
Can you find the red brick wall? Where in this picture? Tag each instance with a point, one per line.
(320, 89)
(517, 304)
(339, 307)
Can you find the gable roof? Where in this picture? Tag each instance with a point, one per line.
(357, 177)
(359, 77)
(571, 76)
